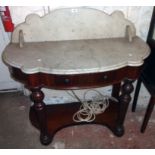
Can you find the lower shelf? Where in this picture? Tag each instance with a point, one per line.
(61, 115)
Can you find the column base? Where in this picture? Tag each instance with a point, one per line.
(119, 131)
(45, 139)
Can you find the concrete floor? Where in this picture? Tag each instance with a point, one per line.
(17, 132)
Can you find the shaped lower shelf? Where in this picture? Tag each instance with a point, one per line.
(61, 115)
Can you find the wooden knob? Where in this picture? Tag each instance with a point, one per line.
(105, 77)
(66, 81)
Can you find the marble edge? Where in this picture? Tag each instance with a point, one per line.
(73, 71)
(47, 70)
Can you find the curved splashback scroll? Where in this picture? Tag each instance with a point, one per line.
(73, 24)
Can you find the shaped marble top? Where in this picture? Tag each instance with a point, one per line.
(77, 56)
(75, 41)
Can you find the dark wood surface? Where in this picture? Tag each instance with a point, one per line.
(147, 76)
(50, 119)
(76, 81)
(61, 115)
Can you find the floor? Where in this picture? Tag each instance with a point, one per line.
(17, 132)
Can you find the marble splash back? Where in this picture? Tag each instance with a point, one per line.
(139, 15)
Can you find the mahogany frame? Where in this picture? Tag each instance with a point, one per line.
(48, 119)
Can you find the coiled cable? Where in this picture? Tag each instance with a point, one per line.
(90, 108)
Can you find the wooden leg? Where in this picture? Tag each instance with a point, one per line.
(148, 113)
(136, 94)
(37, 97)
(124, 100)
(116, 90)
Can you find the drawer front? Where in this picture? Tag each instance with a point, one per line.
(83, 81)
(94, 79)
(63, 80)
(75, 81)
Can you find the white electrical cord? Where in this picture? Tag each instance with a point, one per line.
(89, 109)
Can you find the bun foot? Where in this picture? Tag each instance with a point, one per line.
(45, 139)
(119, 131)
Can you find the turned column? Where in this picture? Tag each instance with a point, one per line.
(37, 97)
(124, 100)
(116, 90)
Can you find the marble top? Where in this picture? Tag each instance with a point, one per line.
(77, 56)
(75, 41)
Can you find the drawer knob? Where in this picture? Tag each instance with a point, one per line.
(105, 77)
(66, 81)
